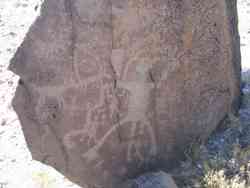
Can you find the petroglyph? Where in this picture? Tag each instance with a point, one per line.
(138, 104)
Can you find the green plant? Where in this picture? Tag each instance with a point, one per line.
(194, 151)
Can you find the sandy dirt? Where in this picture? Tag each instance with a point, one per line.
(17, 169)
(244, 29)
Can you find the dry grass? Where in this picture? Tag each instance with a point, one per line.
(218, 179)
(43, 179)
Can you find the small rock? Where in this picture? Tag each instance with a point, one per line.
(36, 7)
(10, 82)
(12, 34)
(8, 49)
(152, 180)
(3, 122)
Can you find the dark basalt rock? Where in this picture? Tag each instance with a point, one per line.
(112, 89)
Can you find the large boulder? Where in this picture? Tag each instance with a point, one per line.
(110, 89)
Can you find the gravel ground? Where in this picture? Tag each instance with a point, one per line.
(244, 28)
(17, 169)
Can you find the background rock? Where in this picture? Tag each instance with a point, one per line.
(111, 90)
(152, 180)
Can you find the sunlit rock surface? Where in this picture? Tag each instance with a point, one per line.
(112, 89)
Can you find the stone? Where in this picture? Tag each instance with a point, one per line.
(111, 89)
(152, 180)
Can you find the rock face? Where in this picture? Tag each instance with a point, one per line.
(110, 89)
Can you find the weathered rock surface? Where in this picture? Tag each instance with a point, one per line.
(111, 89)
